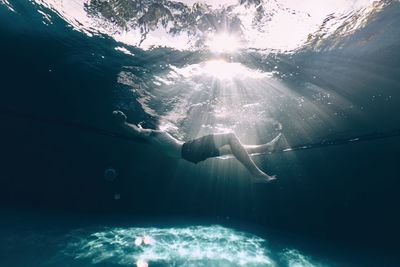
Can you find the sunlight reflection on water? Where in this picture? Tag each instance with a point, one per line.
(192, 25)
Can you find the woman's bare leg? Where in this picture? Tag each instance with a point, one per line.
(241, 154)
(254, 149)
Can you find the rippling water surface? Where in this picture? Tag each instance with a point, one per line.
(248, 66)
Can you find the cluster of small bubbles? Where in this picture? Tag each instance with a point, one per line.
(110, 174)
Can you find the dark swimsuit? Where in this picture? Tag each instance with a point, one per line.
(200, 149)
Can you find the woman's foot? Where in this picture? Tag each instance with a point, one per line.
(119, 116)
(263, 178)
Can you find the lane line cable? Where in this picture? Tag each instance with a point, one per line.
(101, 131)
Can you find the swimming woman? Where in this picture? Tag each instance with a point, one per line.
(202, 148)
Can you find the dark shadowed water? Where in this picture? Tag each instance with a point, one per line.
(76, 192)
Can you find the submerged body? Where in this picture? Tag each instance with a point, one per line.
(200, 149)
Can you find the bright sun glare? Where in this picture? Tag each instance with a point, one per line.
(223, 43)
(227, 71)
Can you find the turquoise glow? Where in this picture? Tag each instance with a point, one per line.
(186, 246)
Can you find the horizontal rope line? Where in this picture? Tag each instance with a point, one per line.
(105, 132)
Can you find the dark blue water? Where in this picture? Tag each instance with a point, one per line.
(335, 98)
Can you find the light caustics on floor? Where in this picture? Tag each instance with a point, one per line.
(186, 246)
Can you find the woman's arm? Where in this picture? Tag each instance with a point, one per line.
(137, 131)
(120, 118)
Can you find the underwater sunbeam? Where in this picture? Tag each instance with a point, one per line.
(224, 70)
